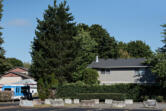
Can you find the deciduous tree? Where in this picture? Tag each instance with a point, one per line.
(138, 49)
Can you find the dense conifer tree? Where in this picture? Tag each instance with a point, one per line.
(163, 49)
(53, 48)
(4, 65)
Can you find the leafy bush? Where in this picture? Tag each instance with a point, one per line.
(6, 96)
(90, 76)
(160, 98)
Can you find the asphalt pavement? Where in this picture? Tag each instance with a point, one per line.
(68, 109)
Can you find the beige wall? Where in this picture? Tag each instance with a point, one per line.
(9, 80)
(118, 76)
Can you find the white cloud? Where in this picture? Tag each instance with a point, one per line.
(19, 22)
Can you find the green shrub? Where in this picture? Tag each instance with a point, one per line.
(101, 96)
(90, 76)
(6, 96)
(137, 92)
(75, 90)
(160, 98)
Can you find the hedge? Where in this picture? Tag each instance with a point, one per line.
(137, 92)
(101, 96)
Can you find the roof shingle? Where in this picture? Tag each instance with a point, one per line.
(118, 63)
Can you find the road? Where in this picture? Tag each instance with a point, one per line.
(68, 109)
(15, 107)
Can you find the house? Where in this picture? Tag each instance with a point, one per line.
(18, 77)
(132, 70)
(12, 77)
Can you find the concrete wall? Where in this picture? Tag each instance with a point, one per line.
(9, 80)
(122, 76)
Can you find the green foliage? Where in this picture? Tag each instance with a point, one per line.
(138, 49)
(26, 65)
(122, 48)
(90, 76)
(101, 96)
(4, 66)
(42, 89)
(85, 46)
(14, 62)
(158, 63)
(163, 49)
(53, 48)
(92, 91)
(160, 98)
(46, 86)
(107, 46)
(124, 91)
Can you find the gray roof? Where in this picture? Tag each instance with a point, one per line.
(118, 63)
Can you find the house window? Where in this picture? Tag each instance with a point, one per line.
(7, 89)
(105, 71)
(140, 72)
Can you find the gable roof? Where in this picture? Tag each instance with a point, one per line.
(25, 69)
(19, 74)
(118, 63)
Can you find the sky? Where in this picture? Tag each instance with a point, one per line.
(126, 20)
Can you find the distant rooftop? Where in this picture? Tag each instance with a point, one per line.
(118, 63)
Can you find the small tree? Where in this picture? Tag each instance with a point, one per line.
(90, 76)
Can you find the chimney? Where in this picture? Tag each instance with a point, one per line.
(97, 59)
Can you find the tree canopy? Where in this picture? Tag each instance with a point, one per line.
(14, 62)
(138, 49)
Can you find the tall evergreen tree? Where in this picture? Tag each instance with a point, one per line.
(163, 49)
(4, 66)
(53, 48)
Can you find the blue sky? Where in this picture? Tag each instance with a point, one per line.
(126, 20)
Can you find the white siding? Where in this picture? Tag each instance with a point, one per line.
(9, 80)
